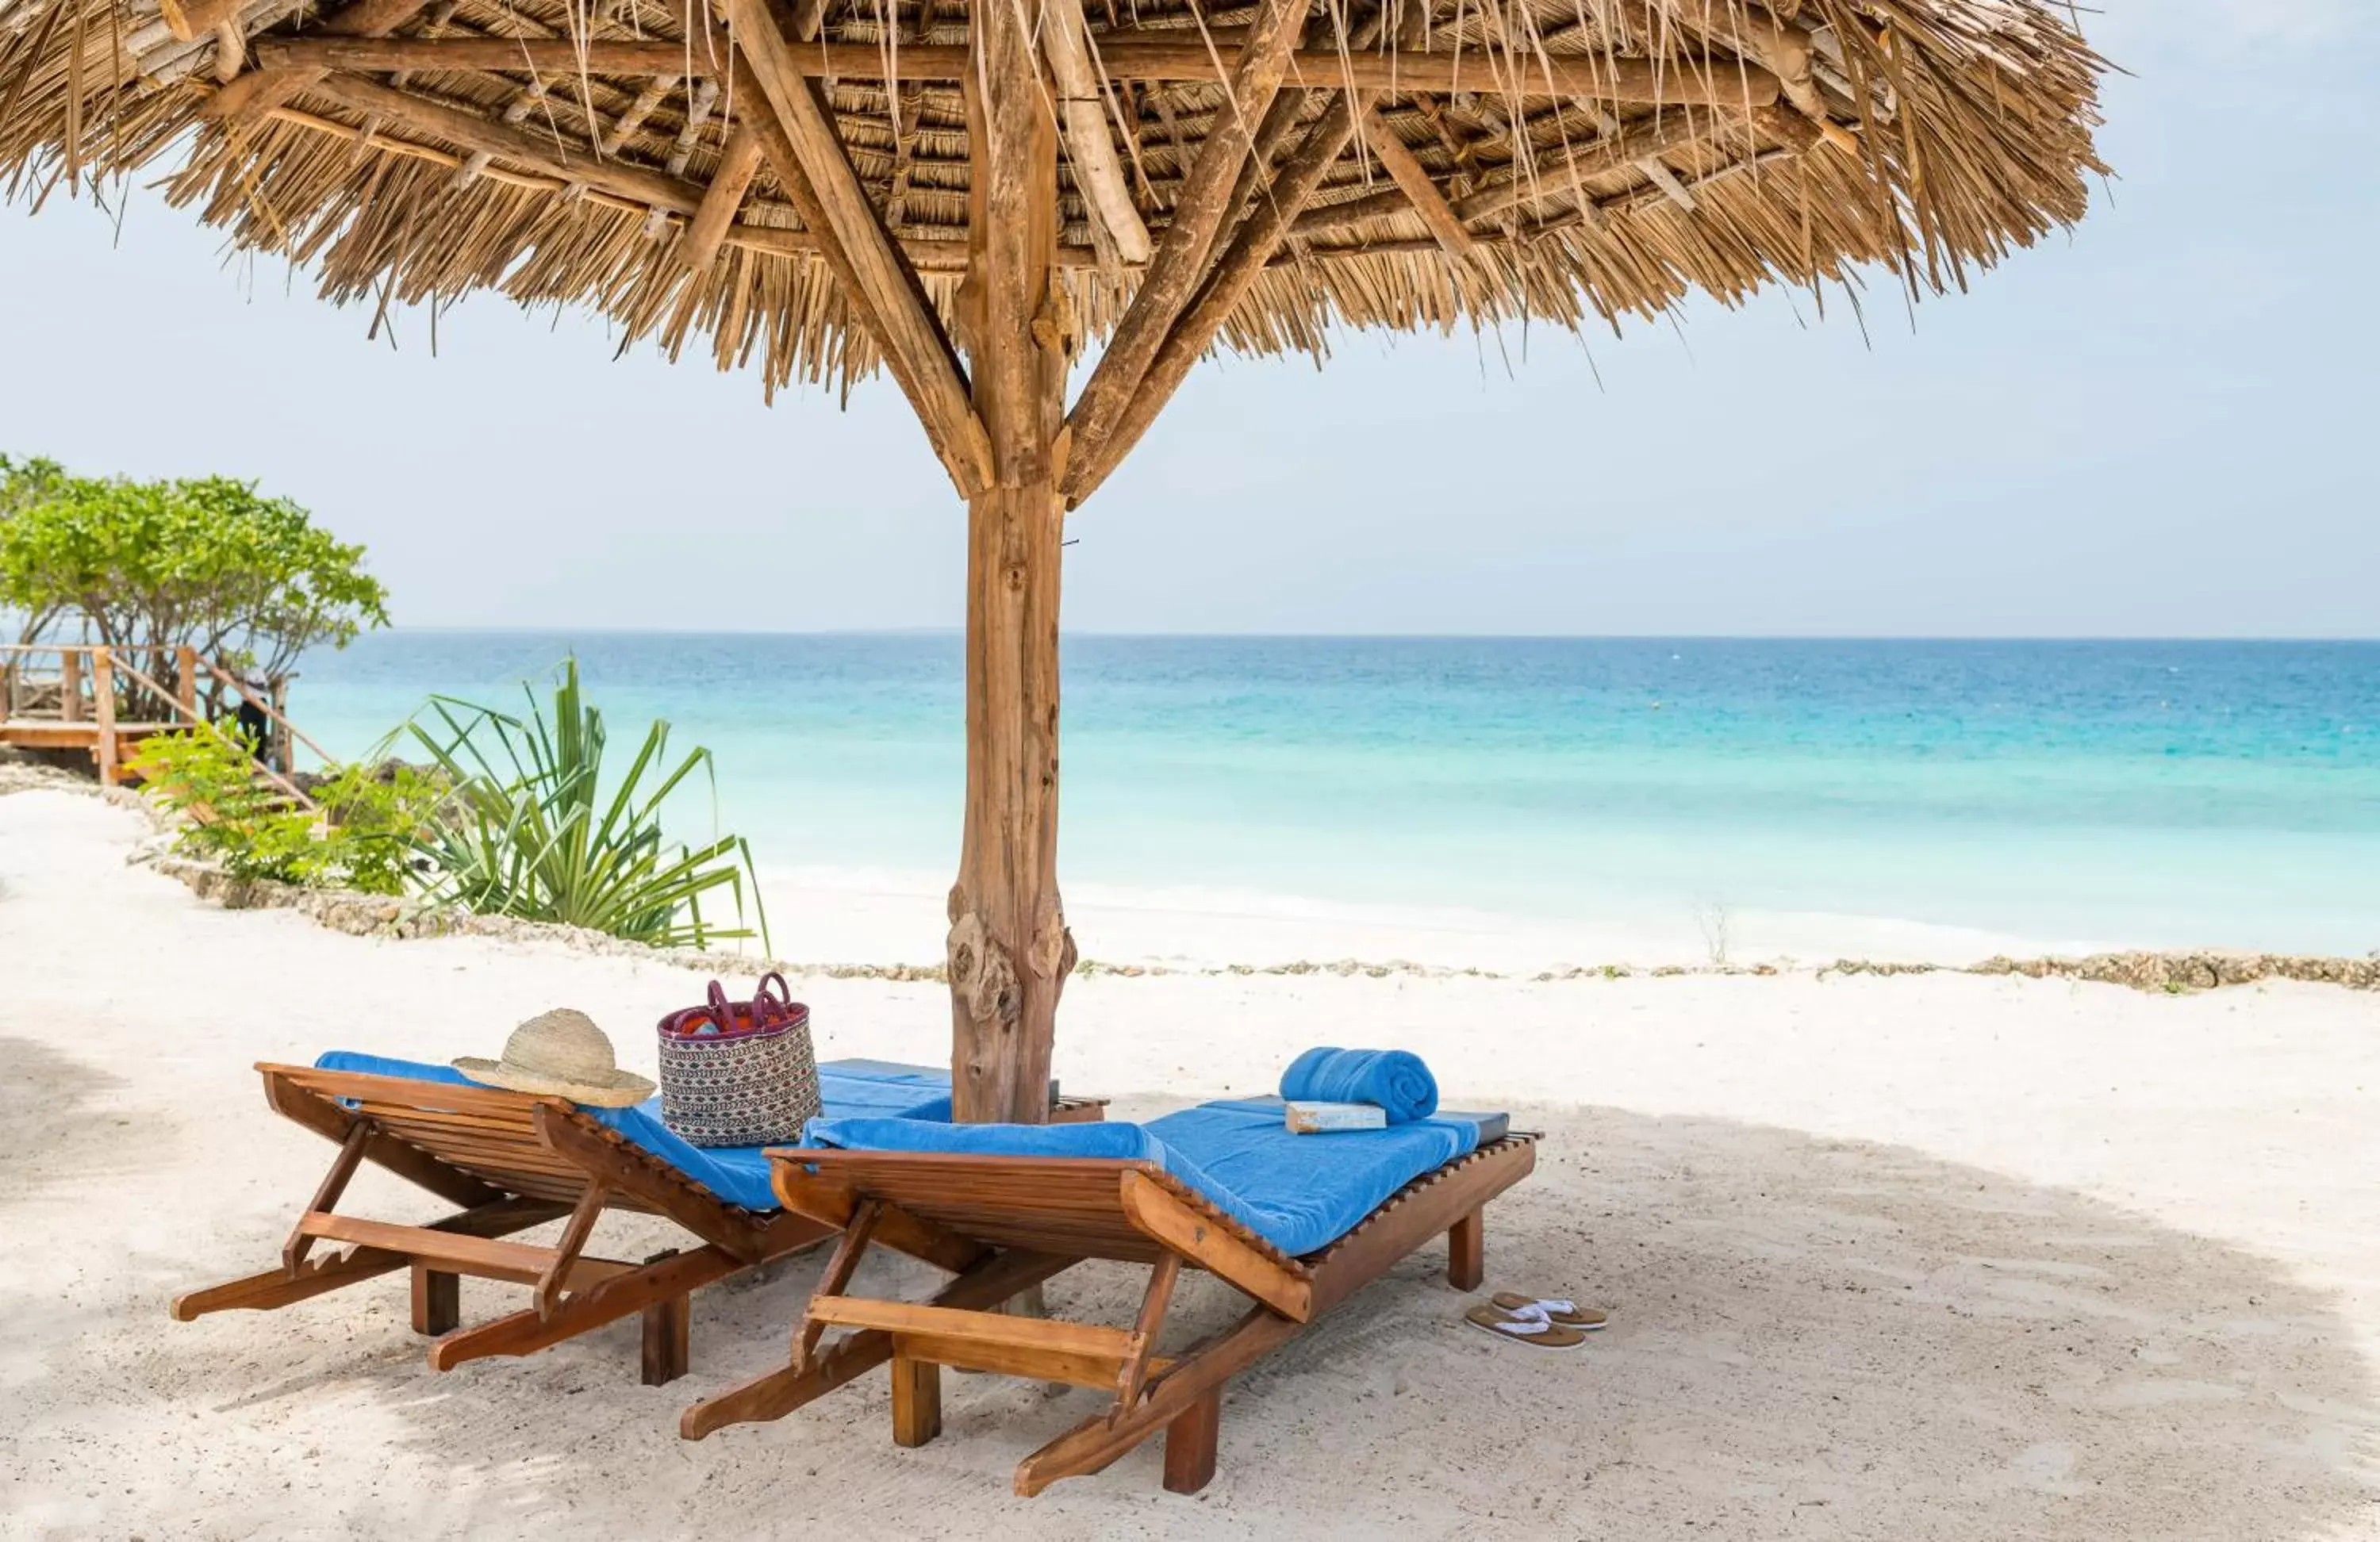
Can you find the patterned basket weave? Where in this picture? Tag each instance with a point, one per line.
(739, 1073)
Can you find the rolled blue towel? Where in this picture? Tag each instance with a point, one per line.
(1396, 1080)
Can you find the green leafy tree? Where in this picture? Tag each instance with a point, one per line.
(206, 563)
(24, 483)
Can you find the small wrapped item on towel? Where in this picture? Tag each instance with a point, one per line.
(1394, 1079)
(739, 1073)
(1321, 1119)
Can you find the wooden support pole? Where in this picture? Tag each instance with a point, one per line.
(186, 681)
(1009, 950)
(102, 706)
(70, 685)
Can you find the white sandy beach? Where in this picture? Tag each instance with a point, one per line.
(1929, 1257)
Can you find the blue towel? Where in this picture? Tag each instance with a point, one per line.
(1399, 1082)
(1299, 1193)
(738, 1174)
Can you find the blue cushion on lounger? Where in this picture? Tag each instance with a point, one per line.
(1299, 1193)
(738, 1174)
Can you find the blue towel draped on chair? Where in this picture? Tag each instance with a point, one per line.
(1300, 1193)
(738, 1174)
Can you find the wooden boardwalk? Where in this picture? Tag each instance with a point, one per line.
(93, 699)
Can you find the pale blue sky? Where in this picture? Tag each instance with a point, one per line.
(2161, 425)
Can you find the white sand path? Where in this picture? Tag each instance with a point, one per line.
(1933, 1256)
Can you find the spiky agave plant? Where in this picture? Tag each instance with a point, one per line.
(531, 831)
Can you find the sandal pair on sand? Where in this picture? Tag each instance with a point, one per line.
(1549, 1323)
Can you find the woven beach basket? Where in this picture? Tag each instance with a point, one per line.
(739, 1073)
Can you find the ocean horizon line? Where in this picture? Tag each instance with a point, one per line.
(1918, 639)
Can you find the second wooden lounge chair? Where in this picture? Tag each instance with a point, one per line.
(1014, 1221)
(514, 1160)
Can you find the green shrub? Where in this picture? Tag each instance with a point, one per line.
(534, 830)
(362, 836)
(379, 819)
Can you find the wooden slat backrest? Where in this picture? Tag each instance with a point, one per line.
(1049, 1203)
(487, 1132)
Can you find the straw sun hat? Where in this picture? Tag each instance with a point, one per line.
(561, 1052)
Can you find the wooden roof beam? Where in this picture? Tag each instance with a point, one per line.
(1235, 274)
(877, 279)
(738, 164)
(1128, 56)
(1776, 48)
(1389, 148)
(939, 254)
(247, 97)
(190, 20)
(1083, 118)
(1557, 174)
(1355, 211)
(1180, 262)
(481, 136)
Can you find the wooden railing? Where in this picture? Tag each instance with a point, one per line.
(87, 687)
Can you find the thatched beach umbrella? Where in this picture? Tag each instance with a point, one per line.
(965, 193)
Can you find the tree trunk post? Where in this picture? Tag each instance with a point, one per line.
(102, 703)
(280, 756)
(1009, 950)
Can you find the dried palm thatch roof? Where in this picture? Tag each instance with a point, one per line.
(1406, 163)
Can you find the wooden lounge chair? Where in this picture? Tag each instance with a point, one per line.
(1011, 1223)
(514, 1160)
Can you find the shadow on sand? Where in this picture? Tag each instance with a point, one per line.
(59, 1129)
(1813, 1338)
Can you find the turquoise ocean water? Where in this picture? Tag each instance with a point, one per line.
(2151, 793)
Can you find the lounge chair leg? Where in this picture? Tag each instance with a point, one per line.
(437, 1301)
(1190, 1442)
(1467, 1252)
(668, 1334)
(917, 1401)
